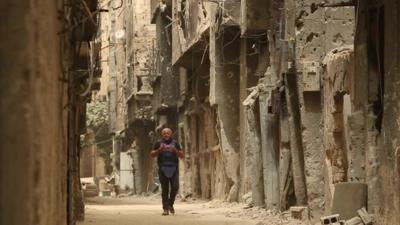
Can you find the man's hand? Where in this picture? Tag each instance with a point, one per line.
(173, 149)
(158, 151)
(162, 148)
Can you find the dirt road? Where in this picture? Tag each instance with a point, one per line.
(147, 211)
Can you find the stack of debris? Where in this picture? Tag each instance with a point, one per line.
(363, 218)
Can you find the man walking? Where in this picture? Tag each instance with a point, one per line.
(168, 151)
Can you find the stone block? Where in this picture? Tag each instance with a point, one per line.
(348, 198)
(354, 221)
(300, 212)
(330, 220)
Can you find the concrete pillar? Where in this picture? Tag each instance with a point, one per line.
(252, 142)
(244, 152)
(269, 149)
(296, 145)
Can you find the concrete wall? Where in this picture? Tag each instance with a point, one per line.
(33, 138)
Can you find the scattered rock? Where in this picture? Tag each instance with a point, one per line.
(300, 213)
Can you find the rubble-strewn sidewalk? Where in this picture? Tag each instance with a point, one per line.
(261, 215)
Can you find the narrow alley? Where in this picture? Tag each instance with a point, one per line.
(253, 112)
(145, 211)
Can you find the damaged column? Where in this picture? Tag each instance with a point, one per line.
(224, 94)
(296, 145)
(269, 120)
(252, 141)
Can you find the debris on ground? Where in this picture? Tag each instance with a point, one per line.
(363, 218)
(300, 213)
(262, 215)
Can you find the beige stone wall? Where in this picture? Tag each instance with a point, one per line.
(33, 154)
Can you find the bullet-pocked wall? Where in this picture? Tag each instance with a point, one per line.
(318, 29)
(33, 140)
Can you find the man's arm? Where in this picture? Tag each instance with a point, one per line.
(178, 151)
(156, 152)
(181, 154)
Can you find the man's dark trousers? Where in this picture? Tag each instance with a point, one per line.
(168, 198)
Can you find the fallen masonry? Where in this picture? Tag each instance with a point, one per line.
(363, 218)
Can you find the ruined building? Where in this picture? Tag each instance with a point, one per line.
(127, 39)
(49, 67)
(280, 100)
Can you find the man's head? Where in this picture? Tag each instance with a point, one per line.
(166, 133)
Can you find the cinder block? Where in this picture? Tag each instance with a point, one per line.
(348, 198)
(342, 222)
(300, 212)
(365, 217)
(330, 220)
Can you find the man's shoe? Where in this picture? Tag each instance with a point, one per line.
(172, 210)
(165, 213)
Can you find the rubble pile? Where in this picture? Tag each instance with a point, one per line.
(363, 218)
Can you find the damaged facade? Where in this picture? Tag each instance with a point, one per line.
(274, 102)
(128, 47)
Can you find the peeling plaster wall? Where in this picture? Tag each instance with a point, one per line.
(343, 138)
(33, 138)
